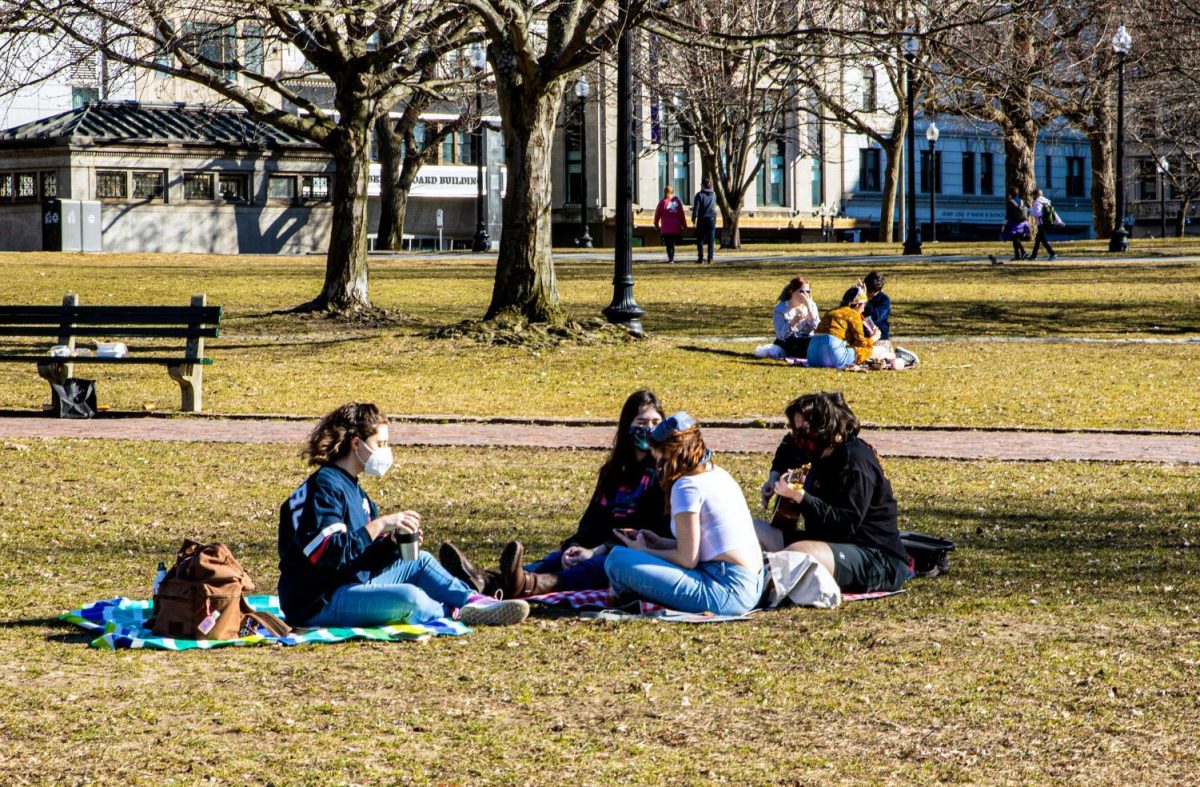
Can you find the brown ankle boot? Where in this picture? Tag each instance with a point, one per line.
(456, 563)
(516, 582)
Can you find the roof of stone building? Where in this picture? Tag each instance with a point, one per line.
(117, 122)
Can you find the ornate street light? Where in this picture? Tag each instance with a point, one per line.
(1163, 168)
(480, 243)
(584, 241)
(912, 241)
(931, 134)
(1121, 42)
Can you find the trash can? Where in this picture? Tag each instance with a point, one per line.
(90, 224)
(61, 226)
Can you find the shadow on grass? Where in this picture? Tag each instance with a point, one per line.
(741, 355)
(69, 633)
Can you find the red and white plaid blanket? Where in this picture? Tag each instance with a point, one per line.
(605, 600)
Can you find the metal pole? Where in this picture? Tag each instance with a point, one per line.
(1162, 201)
(481, 234)
(584, 241)
(624, 310)
(1120, 236)
(912, 243)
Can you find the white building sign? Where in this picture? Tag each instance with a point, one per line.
(453, 182)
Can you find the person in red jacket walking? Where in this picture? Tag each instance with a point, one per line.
(670, 220)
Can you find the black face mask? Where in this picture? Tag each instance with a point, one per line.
(641, 437)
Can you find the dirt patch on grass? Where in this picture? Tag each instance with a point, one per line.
(508, 330)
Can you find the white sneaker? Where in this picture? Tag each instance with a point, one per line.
(494, 613)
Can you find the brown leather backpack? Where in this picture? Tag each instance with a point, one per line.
(201, 597)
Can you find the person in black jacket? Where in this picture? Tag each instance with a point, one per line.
(627, 495)
(340, 564)
(843, 495)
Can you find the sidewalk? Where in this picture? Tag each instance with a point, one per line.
(943, 444)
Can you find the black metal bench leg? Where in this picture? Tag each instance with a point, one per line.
(191, 385)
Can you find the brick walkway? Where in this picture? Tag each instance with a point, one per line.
(948, 444)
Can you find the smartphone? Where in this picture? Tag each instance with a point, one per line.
(869, 326)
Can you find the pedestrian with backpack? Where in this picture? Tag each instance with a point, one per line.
(704, 217)
(341, 564)
(1044, 215)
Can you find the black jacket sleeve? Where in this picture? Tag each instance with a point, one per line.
(840, 521)
(595, 526)
(788, 455)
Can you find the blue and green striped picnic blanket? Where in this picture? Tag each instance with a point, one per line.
(123, 622)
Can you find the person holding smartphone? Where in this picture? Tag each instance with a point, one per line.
(339, 561)
(712, 562)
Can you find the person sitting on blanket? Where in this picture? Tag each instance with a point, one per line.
(841, 340)
(627, 494)
(713, 563)
(844, 497)
(795, 318)
(879, 305)
(339, 560)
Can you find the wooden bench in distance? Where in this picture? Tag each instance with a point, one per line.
(64, 324)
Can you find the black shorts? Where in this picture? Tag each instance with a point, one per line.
(860, 569)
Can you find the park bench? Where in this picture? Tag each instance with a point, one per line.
(64, 324)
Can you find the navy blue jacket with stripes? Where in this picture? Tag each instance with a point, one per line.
(324, 543)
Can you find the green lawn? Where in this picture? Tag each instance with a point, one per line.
(276, 363)
(1063, 647)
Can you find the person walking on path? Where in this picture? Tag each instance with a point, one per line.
(670, 220)
(1016, 224)
(1044, 215)
(704, 217)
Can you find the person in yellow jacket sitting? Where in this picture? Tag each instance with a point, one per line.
(841, 339)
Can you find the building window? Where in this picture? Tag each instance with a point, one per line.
(149, 185)
(281, 187)
(869, 90)
(987, 173)
(869, 169)
(681, 168)
(1147, 177)
(252, 36)
(213, 43)
(937, 171)
(197, 185)
(770, 177)
(1048, 179)
(234, 186)
(26, 186)
(315, 187)
(1074, 176)
(6, 185)
(82, 95)
(111, 185)
(49, 185)
(162, 55)
(968, 172)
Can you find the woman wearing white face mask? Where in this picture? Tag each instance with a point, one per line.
(340, 562)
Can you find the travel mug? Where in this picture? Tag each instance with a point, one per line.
(409, 544)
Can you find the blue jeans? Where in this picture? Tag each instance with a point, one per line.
(828, 351)
(408, 591)
(716, 587)
(588, 575)
(706, 233)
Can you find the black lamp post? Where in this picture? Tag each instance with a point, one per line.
(584, 241)
(624, 310)
(1163, 169)
(1121, 41)
(931, 134)
(480, 243)
(912, 241)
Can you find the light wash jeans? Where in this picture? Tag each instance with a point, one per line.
(829, 352)
(408, 591)
(716, 587)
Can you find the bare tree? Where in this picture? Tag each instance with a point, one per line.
(366, 54)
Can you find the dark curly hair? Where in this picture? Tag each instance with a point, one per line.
(874, 281)
(331, 438)
(830, 420)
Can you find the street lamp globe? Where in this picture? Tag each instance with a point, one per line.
(1163, 166)
(582, 89)
(1122, 41)
(478, 57)
(932, 133)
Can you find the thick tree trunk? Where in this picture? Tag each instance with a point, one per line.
(525, 282)
(1020, 150)
(1104, 191)
(389, 233)
(1180, 216)
(891, 180)
(731, 233)
(345, 286)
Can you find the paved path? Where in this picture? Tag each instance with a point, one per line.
(941, 443)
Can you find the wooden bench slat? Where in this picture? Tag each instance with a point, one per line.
(116, 330)
(91, 314)
(162, 360)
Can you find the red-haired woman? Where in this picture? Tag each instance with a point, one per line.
(714, 563)
(339, 563)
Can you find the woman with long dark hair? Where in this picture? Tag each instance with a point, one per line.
(712, 561)
(627, 495)
(340, 563)
(838, 484)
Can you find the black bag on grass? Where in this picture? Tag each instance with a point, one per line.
(929, 555)
(75, 398)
